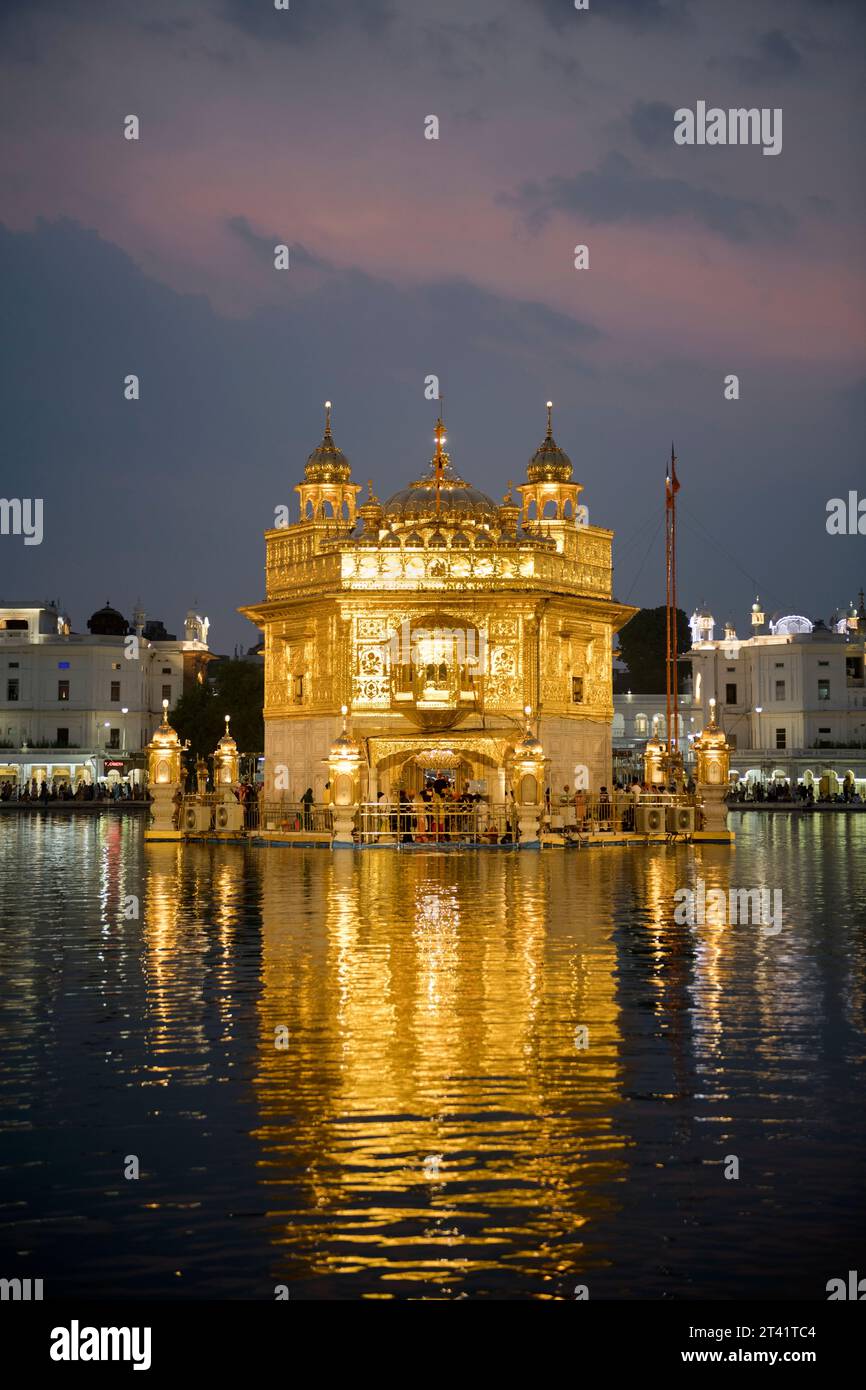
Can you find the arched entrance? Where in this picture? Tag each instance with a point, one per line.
(408, 764)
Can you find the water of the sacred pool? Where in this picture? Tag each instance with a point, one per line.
(420, 1074)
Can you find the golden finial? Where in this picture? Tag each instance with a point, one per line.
(439, 458)
(370, 489)
(550, 419)
(327, 417)
(165, 712)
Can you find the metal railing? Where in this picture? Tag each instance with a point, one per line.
(443, 821)
(284, 815)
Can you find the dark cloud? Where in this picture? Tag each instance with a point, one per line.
(463, 50)
(773, 59)
(652, 123)
(308, 21)
(618, 192)
(816, 203)
(639, 13)
(263, 247)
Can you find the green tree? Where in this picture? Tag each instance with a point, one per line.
(236, 688)
(642, 648)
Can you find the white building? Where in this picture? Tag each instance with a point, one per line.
(82, 706)
(791, 697)
(637, 718)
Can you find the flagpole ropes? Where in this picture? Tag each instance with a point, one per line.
(674, 743)
(672, 705)
(668, 609)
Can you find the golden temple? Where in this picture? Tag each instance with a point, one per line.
(438, 617)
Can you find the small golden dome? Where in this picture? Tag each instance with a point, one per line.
(165, 736)
(549, 463)
(529, 746)
(327, 463)
(227, 743)
(711, 737)
(344, 746)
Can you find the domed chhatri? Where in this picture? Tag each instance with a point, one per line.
(529, 746)
(344, 746)
(328, 496)
(165, 736)
(107, 622)
(327, 463)
(227, 743)
(549, 463)
(436, 617)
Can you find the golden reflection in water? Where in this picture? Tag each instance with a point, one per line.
(746, 976)
(175, 1010)
(432, 1101)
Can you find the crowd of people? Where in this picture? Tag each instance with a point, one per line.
(46, 793)
(759, 793)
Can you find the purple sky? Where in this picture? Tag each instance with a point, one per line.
(412, 257)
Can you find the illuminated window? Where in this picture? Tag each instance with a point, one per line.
(63, 690)
(823, 690)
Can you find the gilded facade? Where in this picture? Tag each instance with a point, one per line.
(438, 616)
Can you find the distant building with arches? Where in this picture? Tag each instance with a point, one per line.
(791, 696)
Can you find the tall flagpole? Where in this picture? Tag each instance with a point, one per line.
(673, 746)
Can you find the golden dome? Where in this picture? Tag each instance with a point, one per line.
(549, 463)
(440, 495)
(344, 746)
(227, 743)
(165, 736)
(327, 463)
(712, 737)
(529, 746)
